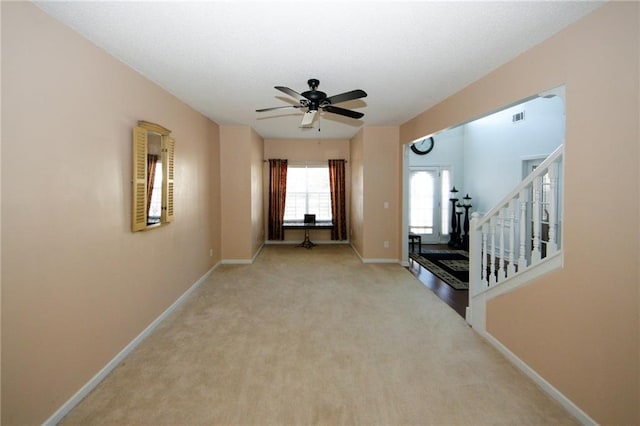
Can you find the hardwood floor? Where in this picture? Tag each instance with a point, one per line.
(456, 299)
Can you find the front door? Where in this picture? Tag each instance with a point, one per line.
(425, 194)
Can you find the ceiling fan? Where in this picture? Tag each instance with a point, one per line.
(314, 99)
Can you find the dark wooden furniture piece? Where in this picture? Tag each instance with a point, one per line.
(307, 227)
(413, 239)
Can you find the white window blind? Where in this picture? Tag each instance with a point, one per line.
(308, 192)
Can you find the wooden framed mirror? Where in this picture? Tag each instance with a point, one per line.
(153, 176)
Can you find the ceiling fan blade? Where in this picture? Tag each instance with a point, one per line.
(346, 96)
(280, 107)
(343, 111)
(291, 93)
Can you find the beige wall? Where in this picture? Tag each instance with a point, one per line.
(578, 327)
(257, 215)
(375, 180)
(78, 285)
(298, 151)
(382, 196)
(241, 152)
(357, 192)
(237, 155)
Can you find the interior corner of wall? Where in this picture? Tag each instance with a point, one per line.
(556, 91)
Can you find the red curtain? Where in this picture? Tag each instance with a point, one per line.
(277, 194)
(338, 208)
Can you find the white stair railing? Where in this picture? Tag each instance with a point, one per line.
(519, 233)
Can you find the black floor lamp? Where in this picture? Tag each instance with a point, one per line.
(453, 236)
(466, 204)
(459, 211)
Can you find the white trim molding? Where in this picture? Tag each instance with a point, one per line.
(379, 260)
(297, 242)
(236, 261)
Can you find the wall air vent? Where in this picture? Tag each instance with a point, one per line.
(518, 117)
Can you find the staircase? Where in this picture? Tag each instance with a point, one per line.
(518, 240)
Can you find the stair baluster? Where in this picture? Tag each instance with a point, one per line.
(537, 207)
(511, 268)
(483, 256)
(502, 271)
(492, 254)
(522, 260)
(552, 244)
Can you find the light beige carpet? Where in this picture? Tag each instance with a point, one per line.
(315, 337)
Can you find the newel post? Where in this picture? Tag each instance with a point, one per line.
(475, 311)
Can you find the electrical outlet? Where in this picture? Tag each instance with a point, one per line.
(386, 244)
(210, 252)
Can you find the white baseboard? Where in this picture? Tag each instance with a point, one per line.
(281, 242)
(297, 242)
(547, 387)
(111, 365)
(356, 252)
(255, 256)
(373, 260)
(243, 261)
(236, 261)
(381, 260)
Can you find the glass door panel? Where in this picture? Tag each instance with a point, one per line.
(423, 204)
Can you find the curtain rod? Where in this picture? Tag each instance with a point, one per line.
(311, 161)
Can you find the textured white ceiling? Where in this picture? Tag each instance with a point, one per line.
(225, 57)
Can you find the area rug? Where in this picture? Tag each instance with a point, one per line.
(451, 266)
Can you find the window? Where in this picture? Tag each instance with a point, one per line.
(155, 207)
(308, 192)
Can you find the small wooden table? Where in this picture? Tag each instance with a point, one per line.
(307, 226)
(413, 239)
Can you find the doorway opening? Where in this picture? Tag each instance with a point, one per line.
(485, 159)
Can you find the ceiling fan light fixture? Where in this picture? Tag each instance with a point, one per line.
(308, 117)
